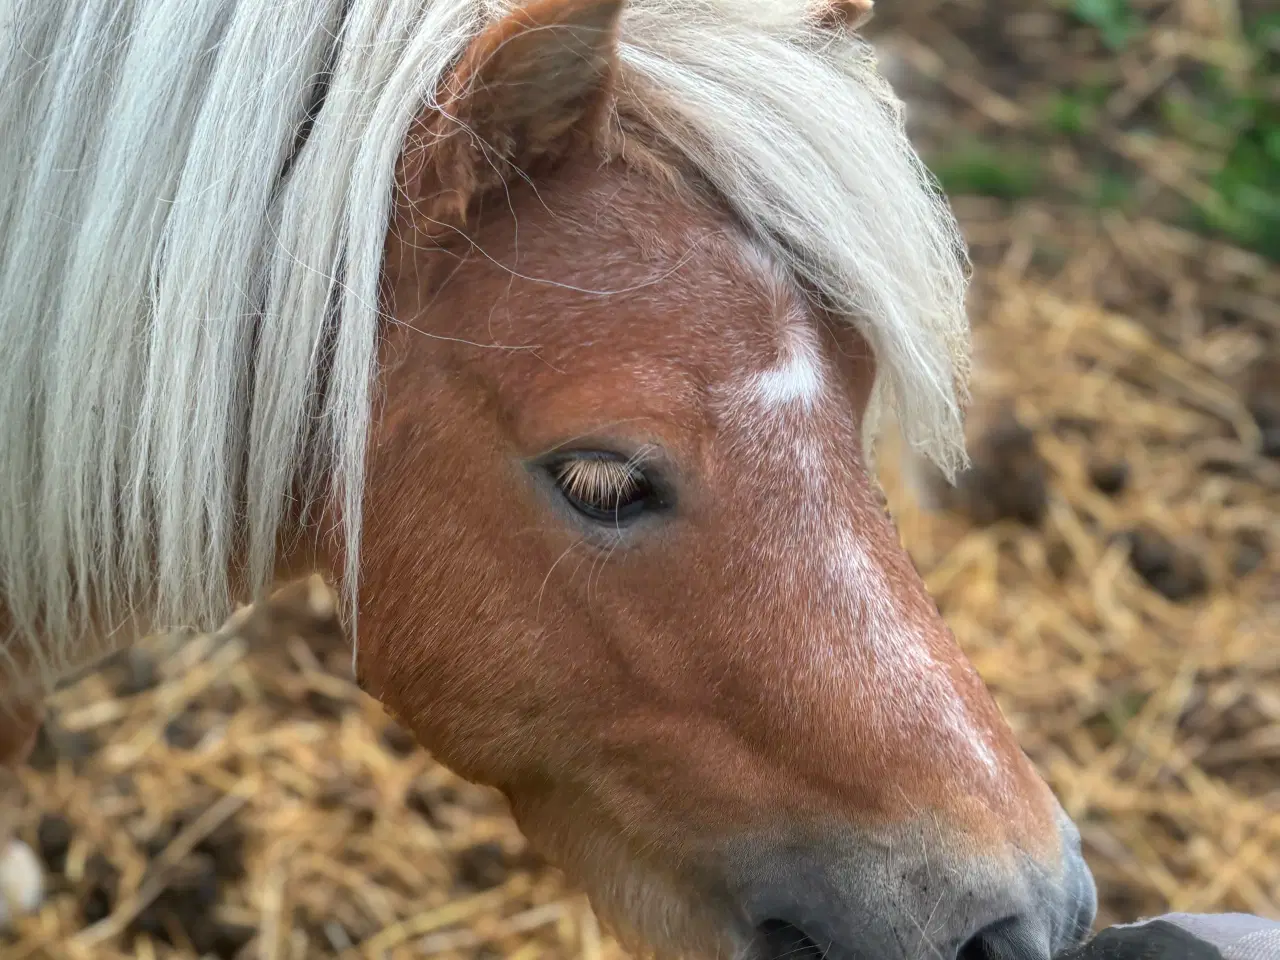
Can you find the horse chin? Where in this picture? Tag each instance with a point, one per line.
(651, 917)
(649, 910)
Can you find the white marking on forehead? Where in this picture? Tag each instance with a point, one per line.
(797, 378)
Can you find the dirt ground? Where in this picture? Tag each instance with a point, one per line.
(1111, 563)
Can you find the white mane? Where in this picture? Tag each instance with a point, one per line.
(185, 261)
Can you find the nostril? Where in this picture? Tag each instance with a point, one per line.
(783, 940)
(976, 947)
(1005, 939)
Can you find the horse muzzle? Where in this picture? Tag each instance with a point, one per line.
(899, 896)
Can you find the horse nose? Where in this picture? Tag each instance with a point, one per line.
(878, 900)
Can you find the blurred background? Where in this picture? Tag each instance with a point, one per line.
(1111, 562)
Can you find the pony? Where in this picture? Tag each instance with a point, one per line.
(556, 334)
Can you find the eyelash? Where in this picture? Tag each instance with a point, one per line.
(602, 487)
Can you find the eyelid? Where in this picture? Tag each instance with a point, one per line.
(646, 465)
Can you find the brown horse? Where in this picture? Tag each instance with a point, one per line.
(634, 283)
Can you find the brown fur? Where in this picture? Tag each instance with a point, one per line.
(499, 637)
(558, 53)
(647, 698)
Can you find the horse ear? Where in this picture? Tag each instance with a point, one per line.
(843, 14)
(531, 87)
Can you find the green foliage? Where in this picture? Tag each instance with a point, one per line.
(1246, 120)
(1071, 114)
(1234, 119)
(1076, 111)
(1247, 188)
(1111, 191)
(1237, 119)
(978, 169)
(1114, 20)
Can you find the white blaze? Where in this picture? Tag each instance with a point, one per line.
(798, 376)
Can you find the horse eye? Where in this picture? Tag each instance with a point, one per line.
(603, 487)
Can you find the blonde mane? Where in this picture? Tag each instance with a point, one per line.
(194, 196)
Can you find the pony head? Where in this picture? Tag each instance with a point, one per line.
(560, 331)
(623, 554)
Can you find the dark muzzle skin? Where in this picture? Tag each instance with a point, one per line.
(907, 893)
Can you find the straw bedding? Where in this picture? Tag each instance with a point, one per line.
(1111, 564)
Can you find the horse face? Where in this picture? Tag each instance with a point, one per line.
(622, 560)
